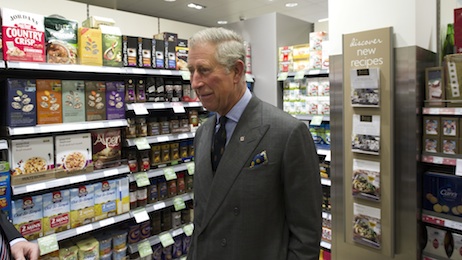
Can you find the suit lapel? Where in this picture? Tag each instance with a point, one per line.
(242, 144)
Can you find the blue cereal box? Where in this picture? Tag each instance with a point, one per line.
(115, 100)
(20, 108)
(5, 187)
(442, 193)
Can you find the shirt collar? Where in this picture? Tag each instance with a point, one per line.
(236, 112)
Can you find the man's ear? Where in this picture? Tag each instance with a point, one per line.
(239, 70)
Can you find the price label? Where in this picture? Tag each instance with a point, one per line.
(169, 174)
(106, 222)
(316, 121)
(179, 204)
(186, 75)
(459, 167)
(79, 178)
(144, 248)
(191, 168)
(111, 172)
(142, 179)
(159, 205)
(437, 160)
(283, 76)
(36, 187)
(166, 72)
(48, 244)
(299, 74)
(178, 108)
(142, 143)
(188, 229)
(140, 109)
(166, 239)
(163, 138)
(84, 229)
(140, 215)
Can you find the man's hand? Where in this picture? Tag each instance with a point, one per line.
(25, 250)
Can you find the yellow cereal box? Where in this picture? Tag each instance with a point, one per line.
(105, 199)
(27, 216)
(82, 205)
(56, 211)
(90, 46)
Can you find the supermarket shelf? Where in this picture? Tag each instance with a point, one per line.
(65, 127)
(313, 72)
(162, 138)
(163, 105)
(444, 160)
(442, 220)
(43, 185)
(326, 215)
(160, 172)
(442, 111)
(154, 240)
(325, 245)
(117, 219)
(310, 117)
(89, 69)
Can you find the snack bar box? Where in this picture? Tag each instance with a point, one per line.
(442, 193)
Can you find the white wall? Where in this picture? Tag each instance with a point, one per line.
(128, 22)
(361, 15)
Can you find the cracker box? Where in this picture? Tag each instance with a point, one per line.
(435, 243)
(5, 187)
(105, 199)
(61, 40)
(442, 193)
(73, 96)
(95, 96)
(106, 148)
(82, 205)
(49, 101)
(129, 51)
(158, 49)
(20, 107)
(112, 46)
(144, 52)
(90, 46)
(123, 195)
(73, 153)
(56, 211)
(27, 216)
(23, 36)
(32, 156)
(115, 100)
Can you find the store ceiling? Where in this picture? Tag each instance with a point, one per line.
(217, 10)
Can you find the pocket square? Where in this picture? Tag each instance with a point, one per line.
(259, 159)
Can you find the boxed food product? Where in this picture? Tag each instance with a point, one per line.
(170, 43)
(82, 205)
(88, 248)
(90, 46)
(144, 52)
(452, 76)
(5, 187)
(123, 195)
(49, 101)
(315, 59)
(27, 216)
(434, 87)
(20, 107)
(61, 40)
(129, 51)
(73, 95)
(431, 144)
(31, 159)
(68, 251)
(140, 91)
(182, 57)
(115, 98)
(105, 199)
(432, 126)
(73, 154)
(158, 49)
(450, 145)
(56, 211)
(106, 148)
(442, 193)
(23, 36)
(285, 54)
(457, 252)
(450, 127)
(316, 40)
(112, 45)
(95, 94)
(435, 243)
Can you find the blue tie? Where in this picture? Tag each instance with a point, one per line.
(219, 143)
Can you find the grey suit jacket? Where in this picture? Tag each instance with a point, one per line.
(270, 211)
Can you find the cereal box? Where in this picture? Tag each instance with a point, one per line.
(73, 152)
(56, 211)
(95, 94)
(144, 52)
(158, 47)
(90, 46)
(105, 199)
(112, 46)
(27, 216)
(31, 155)
(23, 36)
(82, 205)
(115, 98)
(5, 187)
(123, 196)
(129, 51)
(49, 99)
(73, 95)
(106, 148)
(20, 108)
(61, 40)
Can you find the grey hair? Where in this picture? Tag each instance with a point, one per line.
(230, 45)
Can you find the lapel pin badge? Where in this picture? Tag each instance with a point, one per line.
(242, 139)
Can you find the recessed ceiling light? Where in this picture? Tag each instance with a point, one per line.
(196, 6)
(222, 22)
(169, 0)
(291, 4)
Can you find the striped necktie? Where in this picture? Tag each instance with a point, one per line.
(219, 143)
